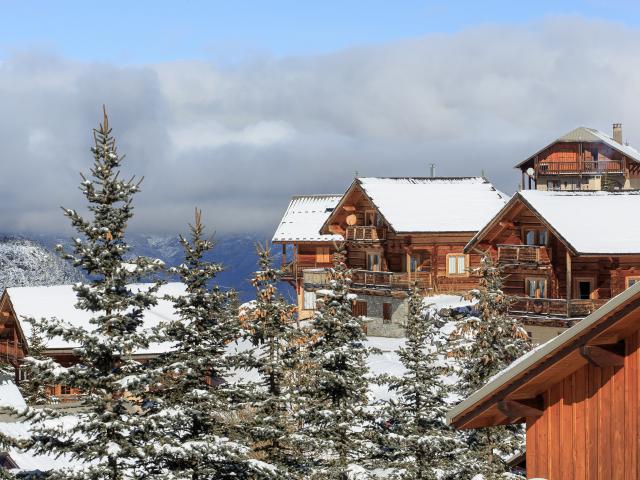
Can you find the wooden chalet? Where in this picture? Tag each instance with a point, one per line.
(305, 251)
(20, 303)
(578, 394)
(397, 232)
(564, 253)
(583, 159)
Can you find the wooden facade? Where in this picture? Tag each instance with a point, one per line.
(545, 275)
(579, 398)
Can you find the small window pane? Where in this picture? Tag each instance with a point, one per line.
(452, 264)
(461, 266)
(542, 237)
(530, 237)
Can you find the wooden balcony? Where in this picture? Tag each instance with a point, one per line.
(356, 233)
(295, 269)
(555, 307)
(11, 352)
(318, 277)
(590, 167)
(532, 255)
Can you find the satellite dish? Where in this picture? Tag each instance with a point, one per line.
(530, 171)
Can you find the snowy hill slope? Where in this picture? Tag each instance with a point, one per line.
(25, 262)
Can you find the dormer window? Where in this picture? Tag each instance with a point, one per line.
(535, 237)
(370, 218)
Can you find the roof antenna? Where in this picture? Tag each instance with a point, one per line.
(433, 169)
(356, 173)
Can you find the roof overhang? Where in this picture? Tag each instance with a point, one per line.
(549, 363)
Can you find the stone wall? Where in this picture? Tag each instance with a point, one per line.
(376, 326)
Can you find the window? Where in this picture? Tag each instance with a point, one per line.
(631, 281)
(535, 237)
(309, 300)
(373, 262)
(416, 261)
(536, 287)
(65, 390)
(456, 264)
(386, 313)
(553, 185)
(370, 218)
(22, 374)
(323, 255)
(359, 308)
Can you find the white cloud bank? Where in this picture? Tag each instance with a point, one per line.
(238, 141)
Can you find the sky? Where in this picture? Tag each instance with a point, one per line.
(236, 106)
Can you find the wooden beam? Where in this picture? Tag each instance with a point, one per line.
(604, 355)
(569, 285)
(514, 409)
(349, 208)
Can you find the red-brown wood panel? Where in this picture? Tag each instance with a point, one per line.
(604, 424)
(555, 405)
(593, 385)
(533, 434)
(580, 423)
(631, 407)
(566, 446)
(617, 425)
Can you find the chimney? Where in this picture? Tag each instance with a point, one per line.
(617, 132)
(433, 169)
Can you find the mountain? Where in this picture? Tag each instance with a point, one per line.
(25, 262)
(236, 253)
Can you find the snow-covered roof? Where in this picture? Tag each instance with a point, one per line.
(304, 217)
(591, 222)
(59, 301)
(425, 204)
(10, 396)
(586, 134)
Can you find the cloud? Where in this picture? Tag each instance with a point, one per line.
(239, 140)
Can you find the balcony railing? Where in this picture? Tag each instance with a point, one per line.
(11, 351)
(317, 277)
(523, 255)
(587, 166)
(555, 307)
(365, 234)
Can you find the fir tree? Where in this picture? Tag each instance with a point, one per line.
(335, 420)
(487, 344)
(34, 391)
(108, 436)
(417, 444)
(197, 412)
(271, 328)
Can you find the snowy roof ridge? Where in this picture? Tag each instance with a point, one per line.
(304, 217)
(407, 203)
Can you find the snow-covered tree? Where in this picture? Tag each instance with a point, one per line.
(108, 435)
(336, 426)
(197, 411)
(270, 324)
(417, 444)
(486, 344)
(33, 389)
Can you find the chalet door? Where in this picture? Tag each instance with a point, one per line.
(373, 262)
(583, 288)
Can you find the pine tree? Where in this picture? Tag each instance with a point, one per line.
(335, 421)
(34, 391)
(487, 344)
(271, 328)
(417, 444)
(108, 435)
(197, 411)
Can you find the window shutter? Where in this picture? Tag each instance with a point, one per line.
(309, 300)
(386, 312)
